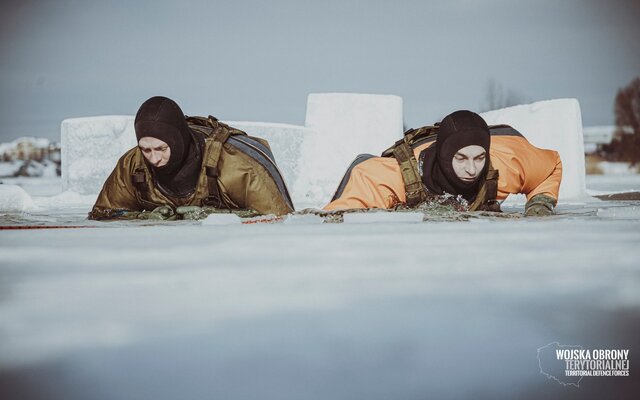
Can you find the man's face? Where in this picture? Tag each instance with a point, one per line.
(468, 162)
(155, 151)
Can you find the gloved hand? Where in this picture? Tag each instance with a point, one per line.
(194, 212)
(539, 205)
(159, 214)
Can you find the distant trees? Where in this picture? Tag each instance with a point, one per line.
(626, 142)
(499, 97)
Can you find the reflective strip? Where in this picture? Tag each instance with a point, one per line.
(504, 130)
(345, 179)
(255, 143)
(264, 157)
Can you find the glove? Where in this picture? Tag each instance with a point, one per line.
(194, 212)
(539, 205)
(158, 214)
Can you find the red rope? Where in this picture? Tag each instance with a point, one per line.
(19, 227)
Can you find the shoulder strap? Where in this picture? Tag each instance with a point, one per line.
(402, 151)
(413, 137)
(413, 188)
(486, 198)
(220, 136)
(215, 198)
(139, 180)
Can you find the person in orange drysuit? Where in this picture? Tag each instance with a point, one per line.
(458, 163)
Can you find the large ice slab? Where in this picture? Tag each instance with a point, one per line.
(343, 125)
(91, 147)
(552, 124)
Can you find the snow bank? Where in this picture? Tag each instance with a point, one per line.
(617, 168)
(90, 149)
(552, 124)
(344, 125)
(10, 168)
(13, 198)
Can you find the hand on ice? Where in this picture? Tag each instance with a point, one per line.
(197, 213)
(539, 205)
(158, 213)
(194, 212)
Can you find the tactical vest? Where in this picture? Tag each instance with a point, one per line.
(415, 190)
(216, 134)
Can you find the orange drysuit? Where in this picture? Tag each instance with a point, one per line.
(377, 181)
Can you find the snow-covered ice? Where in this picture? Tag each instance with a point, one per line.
(313, 311)
(406, 310)
(222, 219)
(377, 217)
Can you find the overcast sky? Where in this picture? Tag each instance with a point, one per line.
(258, 60)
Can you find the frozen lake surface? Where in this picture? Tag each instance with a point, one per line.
(393, 310)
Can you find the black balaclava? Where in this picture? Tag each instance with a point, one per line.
(161, 118)
(457, 130)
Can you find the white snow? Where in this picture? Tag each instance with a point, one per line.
(38, 143)
(377, 217)
(617, 168)
(222, 219)
(304, 219)
(556, 125)
(624, 212)
(344, 125)
(10, 168)
(596, 135)
(607, 184)
(13, 198)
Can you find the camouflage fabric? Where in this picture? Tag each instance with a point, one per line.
(244, 185)
(539, 206)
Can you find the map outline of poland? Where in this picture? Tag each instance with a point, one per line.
(551, 376)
